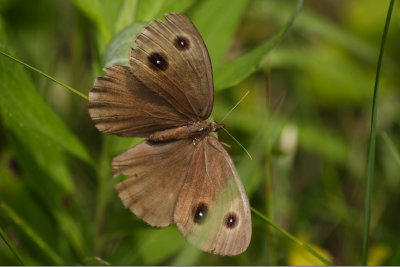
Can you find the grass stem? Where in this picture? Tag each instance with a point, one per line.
(291, 237)
(372, 141)
(103, 188)
(45, 75)
(31, 234)
(11, 246)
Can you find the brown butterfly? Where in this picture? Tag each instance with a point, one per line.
(180, 174)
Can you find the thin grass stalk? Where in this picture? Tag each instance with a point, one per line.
(11, 246)
(291, 237)
(372, 141)
(45, 75)
(31, 234)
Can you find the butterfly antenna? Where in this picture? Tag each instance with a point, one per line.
(230, 111)
(245, 150)
(225, 144)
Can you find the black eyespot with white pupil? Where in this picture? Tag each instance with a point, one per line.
(231, 220)
(158, 61)
(181, 43)
(200, 213)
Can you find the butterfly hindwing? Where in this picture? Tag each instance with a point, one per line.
(156, 173)
(212, 210)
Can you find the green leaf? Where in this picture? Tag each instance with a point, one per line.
(93, 10)
(117, 51)
(37, 151)
(48, 199)
(24, 226)
(158, 245)
(173, 6)
(72, 231)
(148, 10)
(188, 256)
(217, 22)
(95, 261)
(231, 74)
(147, 246)
(126, 16)
(10, 246)
(35, 125)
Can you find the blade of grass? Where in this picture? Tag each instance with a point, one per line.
(232, 73)
(291, 237)
(36, 239)
(103, 189)
(95, 261)
(372, 141)
(126, 15)
(45, 75)
(11, 246)
(391, 147)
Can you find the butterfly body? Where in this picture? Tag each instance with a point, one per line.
(180, 174)
(194, 130)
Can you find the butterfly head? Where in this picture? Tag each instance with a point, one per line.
(214, 127)
(204, 128)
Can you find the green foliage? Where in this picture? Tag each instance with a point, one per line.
(305, 123)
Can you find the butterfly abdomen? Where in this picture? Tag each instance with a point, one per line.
(195, 130)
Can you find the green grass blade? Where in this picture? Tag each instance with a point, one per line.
(103, 188)
(95, 10)
(95, 261)
(34, 123)
(217, 33)
(53, 256)
(371, 152)
(126, 16)
(117, 52)
(291, 237)
(11, 246)
(45, 75)
(230, 74)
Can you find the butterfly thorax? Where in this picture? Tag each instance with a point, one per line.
(195, 130)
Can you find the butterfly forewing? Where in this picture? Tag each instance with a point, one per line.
(120, 104)
(212, 210)
(172, 61)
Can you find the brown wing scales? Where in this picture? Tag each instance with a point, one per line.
(156, 173)
(120, 104)
(182, 74)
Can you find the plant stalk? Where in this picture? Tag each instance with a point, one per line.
(371, 152)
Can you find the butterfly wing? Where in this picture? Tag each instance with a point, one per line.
(212, 210)
(156, 173)
(172, 60)
(119, 103)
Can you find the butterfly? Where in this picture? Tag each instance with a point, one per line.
(180, 174)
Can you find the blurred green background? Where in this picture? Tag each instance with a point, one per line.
(306, 122)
